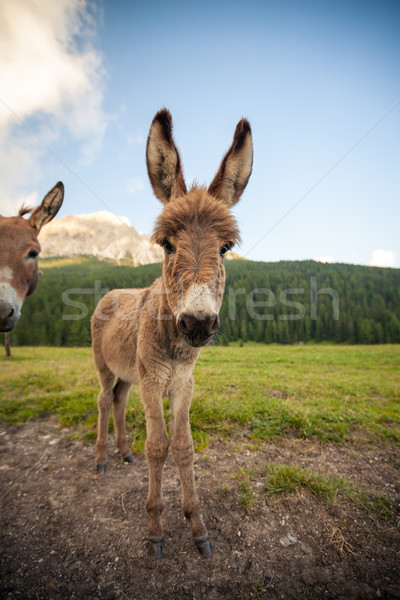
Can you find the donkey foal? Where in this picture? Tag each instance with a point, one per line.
(153, 336)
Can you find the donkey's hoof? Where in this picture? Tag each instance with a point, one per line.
(130, 458)
(157, 546)
(101, 468)
(203, 546)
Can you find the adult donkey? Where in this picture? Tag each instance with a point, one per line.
(153, 336)
(19, 251)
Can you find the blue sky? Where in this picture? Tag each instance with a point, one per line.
(318, 80)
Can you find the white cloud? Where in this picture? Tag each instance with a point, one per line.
(135, 184)
(51, 72)
(383, 258)
(325, 259)
(135, 139)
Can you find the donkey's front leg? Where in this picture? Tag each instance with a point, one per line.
(182, 453)
(156, 448)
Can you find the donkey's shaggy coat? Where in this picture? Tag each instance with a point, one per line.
(153, 336)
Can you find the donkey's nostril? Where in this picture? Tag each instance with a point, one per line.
(214, 325)
(186, 323)
(7, 310)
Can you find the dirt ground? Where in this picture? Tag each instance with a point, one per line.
(67, 533)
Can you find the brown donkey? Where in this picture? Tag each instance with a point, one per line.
(153, 336)
(19, 251)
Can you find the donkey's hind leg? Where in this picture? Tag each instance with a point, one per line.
(121, 393)
(104, 402)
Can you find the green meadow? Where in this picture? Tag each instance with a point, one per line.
(245, 393)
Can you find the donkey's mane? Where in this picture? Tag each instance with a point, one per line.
(196, 208)
(24, 210)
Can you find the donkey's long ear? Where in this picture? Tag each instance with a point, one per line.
(235, 169)
(163, 160)
(49, 208)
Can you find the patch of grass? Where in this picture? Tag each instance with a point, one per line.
(247, 496)
(69, 261)
(36, 382)
(284, 478)
(326, 391)
(250, 393)
(280, 479)
(289, 478)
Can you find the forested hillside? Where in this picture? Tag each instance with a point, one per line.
(284, 302)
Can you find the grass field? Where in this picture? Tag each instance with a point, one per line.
(248, 393)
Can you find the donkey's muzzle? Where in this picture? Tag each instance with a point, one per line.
(8, 316)
(198, 329)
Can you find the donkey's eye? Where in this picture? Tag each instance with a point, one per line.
(32, 254)
(168, 247)
(225, 248)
